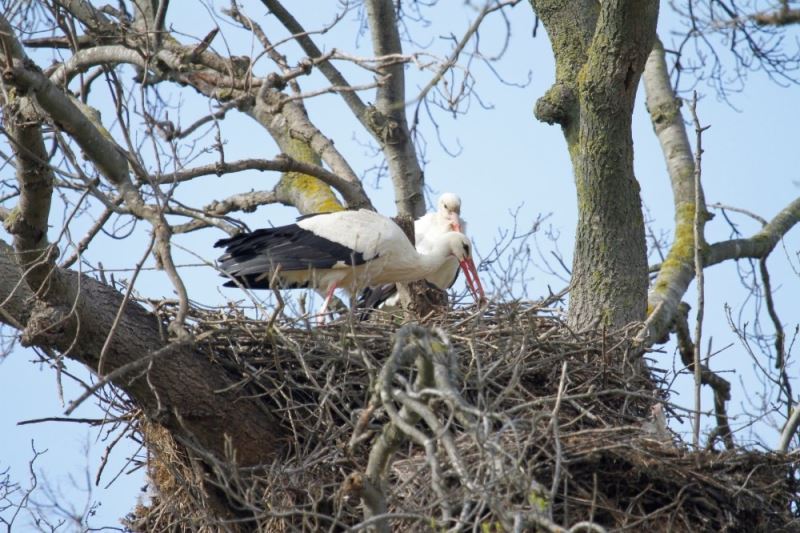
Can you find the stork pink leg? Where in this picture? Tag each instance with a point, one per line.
(325, 303)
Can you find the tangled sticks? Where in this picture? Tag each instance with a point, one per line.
(505, 420)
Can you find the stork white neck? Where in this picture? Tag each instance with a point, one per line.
(441, 251)
(444, 247)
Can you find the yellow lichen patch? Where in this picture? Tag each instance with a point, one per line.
(301, 150)
(681, 253)
(538, 500)
(313, 194)
(225, 95)
(764, 241)
(12, 219)
(307, 193)
(438, 347)
(491, 527)
(598, 278)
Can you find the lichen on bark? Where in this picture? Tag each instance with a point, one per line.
(600, 51)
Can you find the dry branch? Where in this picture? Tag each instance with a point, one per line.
(677, 271)
(352, 191)
(387, 119)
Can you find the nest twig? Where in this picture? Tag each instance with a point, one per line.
(522, 424)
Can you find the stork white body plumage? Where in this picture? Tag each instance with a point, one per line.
(447, 217)
(347, 249)
(427, 230)
(430, 227)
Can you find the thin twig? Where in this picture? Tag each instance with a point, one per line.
(123, 305)
(121, 371)
(780, 336)
(556, 438)
(699, 240)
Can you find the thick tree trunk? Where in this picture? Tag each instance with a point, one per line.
(600, 51)
(174, 383)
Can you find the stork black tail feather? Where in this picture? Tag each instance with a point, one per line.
(260, 281)
(372, 298)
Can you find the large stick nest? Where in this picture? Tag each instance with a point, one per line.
(544, 429)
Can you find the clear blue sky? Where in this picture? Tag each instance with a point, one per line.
(506, 159)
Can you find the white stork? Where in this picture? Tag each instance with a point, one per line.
(427, 230)
(430, 227)
(447, 217)
(345, 249)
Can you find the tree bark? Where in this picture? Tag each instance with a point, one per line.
(600, 51)
(174, 383)
(388, 118)
(678, 269)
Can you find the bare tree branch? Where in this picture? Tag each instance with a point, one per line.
(677, 270)
(28, 221)
(452, 60)
(179, 391)
(352, 192)
(87, 58)
(789, 430)
(88, 15)
(93, 231)
(762, 243)
(285, 132)
(109, 158)
(689, 352)
(97, 144)
(388, 118)
(327, 68)
(783, 16)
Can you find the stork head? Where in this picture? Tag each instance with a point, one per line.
(458, 245)
(450, 207)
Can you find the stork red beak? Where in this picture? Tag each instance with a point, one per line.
(473, 282)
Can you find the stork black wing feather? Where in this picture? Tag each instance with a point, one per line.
(251, 257)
